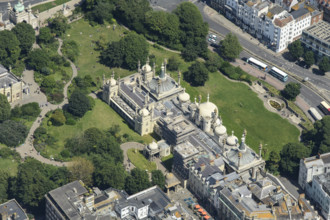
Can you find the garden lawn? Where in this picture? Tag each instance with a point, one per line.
(102, 116)
(167, 162)
(48, 5)
(240, 109)
(140, 161)
(88, 60)
(10, 165)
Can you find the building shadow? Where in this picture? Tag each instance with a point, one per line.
(318, 72)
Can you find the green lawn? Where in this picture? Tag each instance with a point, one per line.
(167, 162)
(10, 165)
(140, 161)
(239, 107)
(48, 5)
(102, 116)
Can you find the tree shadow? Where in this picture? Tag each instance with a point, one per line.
(287, 56)
(317, 72)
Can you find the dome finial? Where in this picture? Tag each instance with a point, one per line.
(232, 133)
(208, 97)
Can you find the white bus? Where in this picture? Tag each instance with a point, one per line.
(279, 74)
(257, 63)
(324, 106)
(315, 114)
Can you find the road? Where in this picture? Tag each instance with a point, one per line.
(221, 25)
(27, 149)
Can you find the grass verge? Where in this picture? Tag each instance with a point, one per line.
(48, 5)
(139, 161)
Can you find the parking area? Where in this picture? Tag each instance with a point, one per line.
(213, 39)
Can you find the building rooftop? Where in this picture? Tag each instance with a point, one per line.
(318, 160)
(6, 78)
(320, 31)
(299, 13)
(283, 19)
(12, 210)
(324, 180)
(186, 149)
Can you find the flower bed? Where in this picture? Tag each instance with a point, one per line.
(275, 105)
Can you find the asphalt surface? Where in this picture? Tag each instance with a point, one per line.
(4, 4)
(311, 97)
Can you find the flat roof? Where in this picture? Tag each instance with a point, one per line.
(321, 31)
(13, 208)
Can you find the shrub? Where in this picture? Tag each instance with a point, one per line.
(31, 109)
(58, 118)
(70, 121)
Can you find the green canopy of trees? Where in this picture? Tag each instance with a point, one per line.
(81, 169)
(324, 64)
(137, 181)
(9, 48)
(197, 74)
(4, 108)
(25, 35)
(272, 164)
(38, 59)
(296, 50)
(290, 158)
(79, 103)
(230, 48)
(45, 36)
(127, 52)
(12, 133)
(173, 63)
(4, 179)
(213, 62)
(309, 58)
(58, 25)
(158, 178)
(291, 91)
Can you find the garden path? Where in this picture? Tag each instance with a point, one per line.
(27, 149)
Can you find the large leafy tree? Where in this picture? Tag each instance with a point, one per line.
(158, 178)
(127, 52)
(173, 63)
(296, 49)
(4, 178)
(38, 59)
(213, 62)
(101, 12)
(319, 136)
(230, 48)
(9, 48)
(290, 158)
(272, 163)
(309, 58)
(291, 91)
(45, 35)
(137, 181)
(4, 108)
(163, 26)
(12, 133)
(324, 64)
(81, 169)
(58, 25)
(79, 103)
(193, 30)
(132, 13)
(197, 74)
(25, 35)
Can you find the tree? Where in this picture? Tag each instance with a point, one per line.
(132, 13)
(173, 64)
(102, 11)
(214, 62)
(12, 133)
(137, 181)
(197, 74)
(9, 48)
(58, 118)
(79, 103)
(291, 91)
(4, 178)
(58, 25)
(324, 65)
(163, 27)
(319, 136)
(38, 59)
(81, 169)
(25, 35)
(4, 108)
(45, 35)
(108, 174)
(296, 50)
(49, 82)
(230, 48)
(290, 158)
(127, 52)
(309, 58)
(31, 109)
(189, 53)
(158, 178)
(272, 163)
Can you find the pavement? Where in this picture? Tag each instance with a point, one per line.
(27, 149)
(223, 26)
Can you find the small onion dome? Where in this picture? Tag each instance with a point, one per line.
(220, 130)
(169, 176)
(146, 68)
(184, 97)
(232, 140)
(144, 112)
(153, 146)
(113, 82)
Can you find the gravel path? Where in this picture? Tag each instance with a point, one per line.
(27, 149)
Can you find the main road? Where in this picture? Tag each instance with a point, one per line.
(222, 26)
